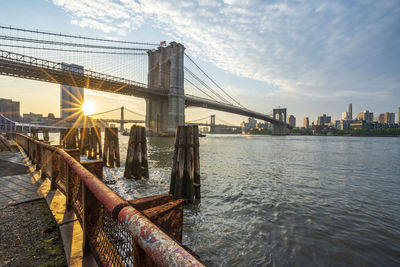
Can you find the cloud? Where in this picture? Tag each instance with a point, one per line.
(303, 48)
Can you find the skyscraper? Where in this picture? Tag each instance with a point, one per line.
(10, 109)
(291, 120)
(350, 115)
(71, 97)
(306, 123)
(386, 118)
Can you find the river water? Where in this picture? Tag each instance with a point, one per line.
(285, 201)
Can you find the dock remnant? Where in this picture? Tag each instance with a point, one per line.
(136, 165)
(185, 174)
(69, 138)
(111, 148)
(90, 142)
(84, 141)
(35, 133)
(95, 150)
(46, 136)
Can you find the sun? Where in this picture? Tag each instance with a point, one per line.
(88, 107)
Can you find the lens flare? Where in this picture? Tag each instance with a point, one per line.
(88, 107)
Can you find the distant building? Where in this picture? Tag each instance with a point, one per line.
(366, 116)
(291, 120)
(249, 125)
(33, 118)
(306, 123)
(345, 115)
(398, 115)
(323, 120)
(350, 115)
(386, 118)
(262, 126)
(345, 124)
(252, 123)
(10, 109)
(71, 97)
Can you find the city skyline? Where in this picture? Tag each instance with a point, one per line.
(355, 61)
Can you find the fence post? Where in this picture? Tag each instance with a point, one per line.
(38, 156)
(72, 180)
(92, 212)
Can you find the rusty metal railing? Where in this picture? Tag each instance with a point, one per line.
(112, 229)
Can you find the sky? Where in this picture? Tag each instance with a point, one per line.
(312, 57)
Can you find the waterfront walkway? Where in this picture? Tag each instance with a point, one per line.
(20, 182)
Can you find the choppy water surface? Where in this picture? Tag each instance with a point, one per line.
(284, 201)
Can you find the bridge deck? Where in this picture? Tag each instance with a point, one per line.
(17, 65)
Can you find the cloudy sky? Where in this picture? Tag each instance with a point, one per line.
(311, 56)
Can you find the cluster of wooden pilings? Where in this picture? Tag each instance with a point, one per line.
(69, 138)
(90, 142)
(185, 174)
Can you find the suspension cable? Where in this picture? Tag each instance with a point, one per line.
(141, 115)
(38, 41)
(212, 80)
(200, 89)
(75, 51)
(205, 85)
(75, 36)
(199, 119)
(104, 112)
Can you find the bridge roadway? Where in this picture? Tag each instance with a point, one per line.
(215, 125)
(22, 66)
(119, 121)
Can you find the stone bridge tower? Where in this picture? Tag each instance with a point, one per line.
(280, 115)
(166, 71)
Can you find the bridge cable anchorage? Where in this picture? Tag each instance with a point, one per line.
(39, 41)
(76, 51)
(205, 85)
(75, 36)
(237, 102)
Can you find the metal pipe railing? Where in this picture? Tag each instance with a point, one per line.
(159, 247)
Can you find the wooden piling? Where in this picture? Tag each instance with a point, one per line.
(35, 133)
(95, 150)
(46, 136)
(185, 174)
(84, 141)
(136, 165)
(69, 138)
(111, 156)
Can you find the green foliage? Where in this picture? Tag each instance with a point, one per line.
(368, 132)
(260, 132)
(301, 131)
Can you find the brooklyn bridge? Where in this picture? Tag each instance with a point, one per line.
(169, 80)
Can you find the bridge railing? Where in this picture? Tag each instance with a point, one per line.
(112, 229)
(42, 63)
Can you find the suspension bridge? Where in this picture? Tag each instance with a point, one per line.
(208, 121)
(169, 79)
